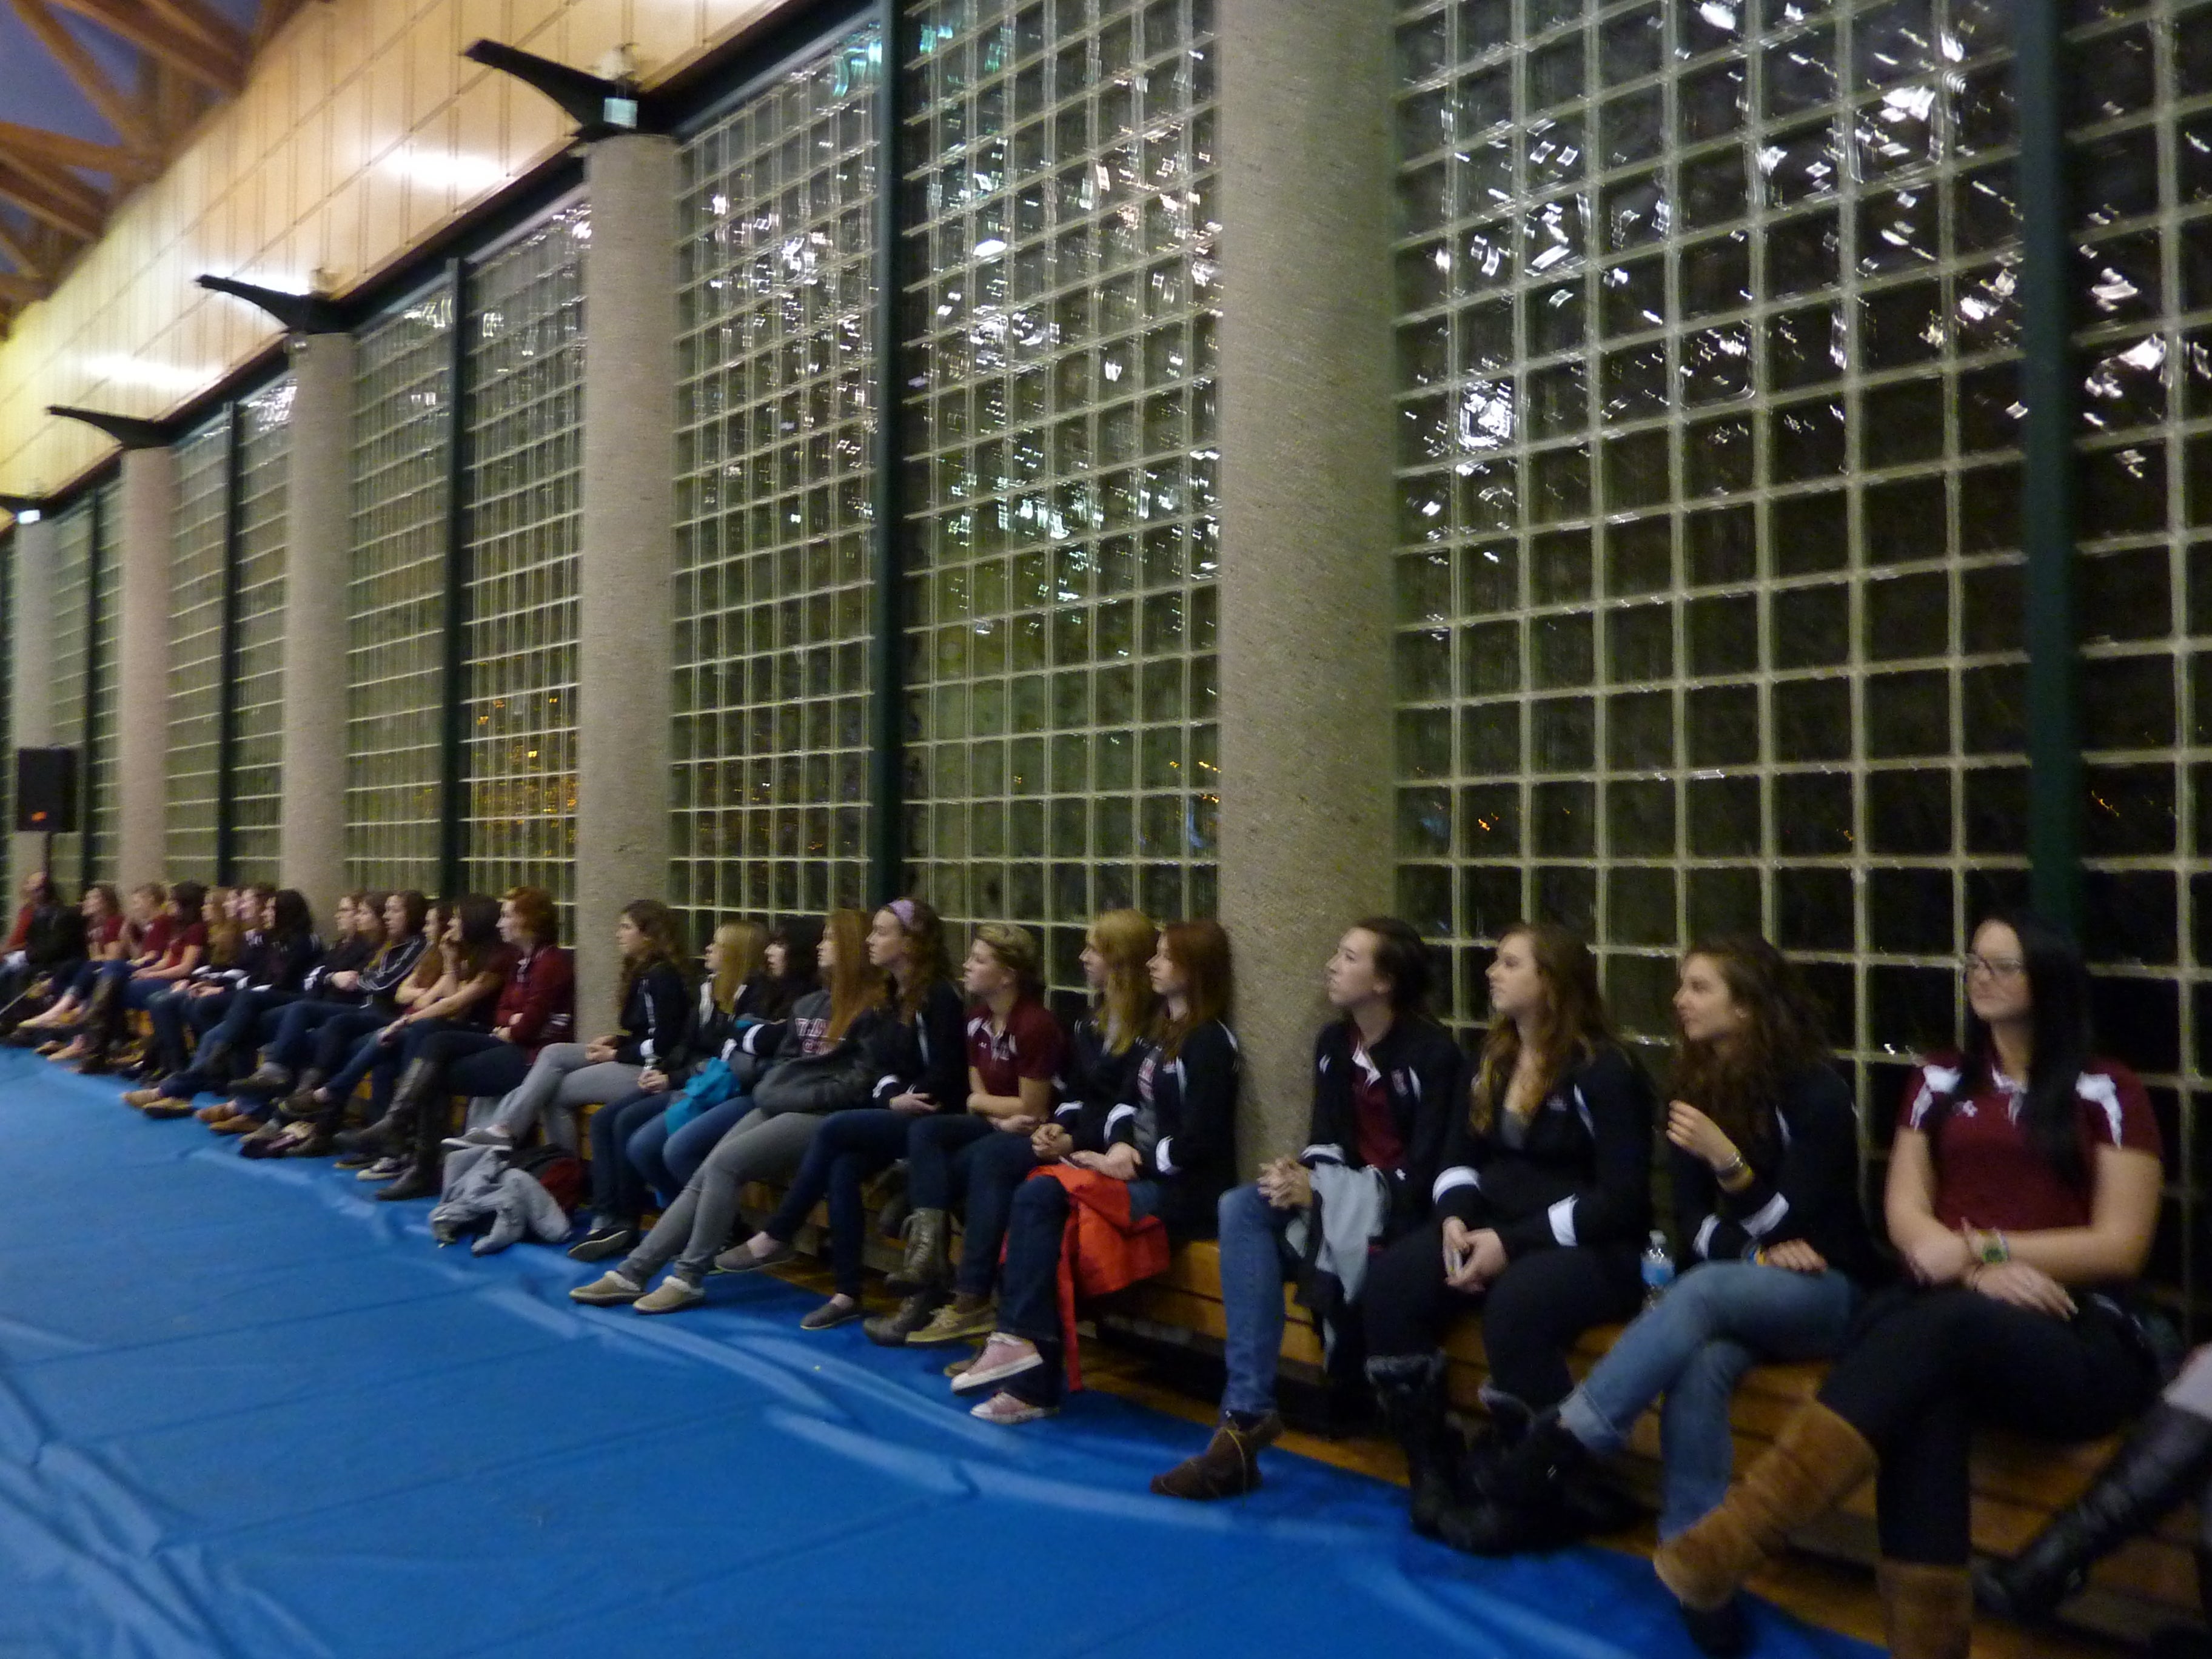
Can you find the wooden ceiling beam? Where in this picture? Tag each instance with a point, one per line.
(36, 194)
(195, 18)
(222, 69)
(121, 111)
(69, 191)
(59, 149)
(19, 252)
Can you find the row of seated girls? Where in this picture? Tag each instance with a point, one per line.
(1512, 1185)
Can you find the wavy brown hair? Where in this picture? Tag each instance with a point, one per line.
(1574, 1027)
(925, 964)
(1200, 949)
(1736, 1082)
(663, 943)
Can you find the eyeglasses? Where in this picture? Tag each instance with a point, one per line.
(1973, 967)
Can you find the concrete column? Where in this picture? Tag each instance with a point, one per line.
(1306, 518)
(31, 672)
(628, 555)
(319, 538)
(146, 503)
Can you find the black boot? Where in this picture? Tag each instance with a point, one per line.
(2164, 1460)
(1411, 1388)
(426, 1107)
(103, 1025)
(926, 1267)
(1537, 1496)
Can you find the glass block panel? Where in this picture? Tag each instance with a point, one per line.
(523, 418)
(70, 622)
(1681, 478)
(776, 432)
(2143, 305)
(101, 712)
(196, 581)
(396, 596)
(256, 795)
(1060, 552)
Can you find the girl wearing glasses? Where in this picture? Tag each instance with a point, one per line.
(2023, 1189)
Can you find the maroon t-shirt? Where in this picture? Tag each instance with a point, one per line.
(1030, 1046)
(1381, 1146)
(105, 931)
(1987, 1174)
(153, 938)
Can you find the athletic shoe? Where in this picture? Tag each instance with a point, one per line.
(608, 1290)
(388, 1168)
(1003, 1356)
(1005, 1410)
(952, 1323)
(673, 1293)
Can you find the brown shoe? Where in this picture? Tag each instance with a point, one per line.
(213, 1115)
(1814, 1463)
(238, 1123)
(1228, 1468)
(960, 1320)
(141, 1098)
(1927, 1611)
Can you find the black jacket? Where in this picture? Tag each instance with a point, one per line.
(1181, 1115)
(1582, 1175)
(654, 1014)
(383, 976)
(1805, 1184)
(1423, 1074)
(1091, 1081)
(274, 962)
(930, 1056)
(55, 936)
(350, 955)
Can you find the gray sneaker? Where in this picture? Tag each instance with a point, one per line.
(740, 1259)
(385, 1169)
(673, 1292)
(611, 1289)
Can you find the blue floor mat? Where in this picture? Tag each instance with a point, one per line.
(247, 1410)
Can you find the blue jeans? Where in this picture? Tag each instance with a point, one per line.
(1719, 1321)
(680, 1153)
(848, 1148)
(292, 1044)
(992, 1171)
(1029, 1297)
(618, 1188)
(1255, 1263)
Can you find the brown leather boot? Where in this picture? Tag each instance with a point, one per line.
(1927, 1613)
(1228, 1468)
(927, 1265)
(1814, 1462)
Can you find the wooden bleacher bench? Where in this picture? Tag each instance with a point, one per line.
(2017, 1483)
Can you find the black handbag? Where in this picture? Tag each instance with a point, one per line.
(815, 1082)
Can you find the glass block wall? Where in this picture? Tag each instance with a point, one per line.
(396, 597)
(1061, 339)
(1708, 587)
(776, 423)
(523, 413)
(196, 604)
(101, 712)
(2141, 138)
(71, 591)
(264, 463)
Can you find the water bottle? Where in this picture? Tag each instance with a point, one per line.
(1658, 1268)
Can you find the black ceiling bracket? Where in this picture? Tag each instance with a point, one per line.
(300, 313)
(599, 106)
(126, 430)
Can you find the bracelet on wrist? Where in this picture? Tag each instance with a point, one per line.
(1993, 1247)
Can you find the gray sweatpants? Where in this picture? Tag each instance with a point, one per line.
(2191, 1391)
(694, 1228)
(559, 1082)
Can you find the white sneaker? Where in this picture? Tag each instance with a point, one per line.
(1003, 1356)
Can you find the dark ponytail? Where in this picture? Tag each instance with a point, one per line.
(2058, 988)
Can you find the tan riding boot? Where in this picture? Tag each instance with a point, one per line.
(1814, 1462)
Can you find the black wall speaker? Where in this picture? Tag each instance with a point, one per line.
(45, 791)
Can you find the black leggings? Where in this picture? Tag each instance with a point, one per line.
(1531, 1317)
(1921, 1367)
